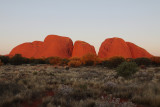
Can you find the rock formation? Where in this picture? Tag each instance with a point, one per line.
(138, 52)
(59, 46)
(53, 45)
(114, 47)
(27, 50)
(118, 47)
(82, 48)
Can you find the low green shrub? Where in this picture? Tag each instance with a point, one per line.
(4, 59)
(55, 60)
(129, 59)
(17, 60)
(89, 59)
(143, 61)
(126, 69)
(37, 61)
(64, 62)
(105, 63)
(113, 62)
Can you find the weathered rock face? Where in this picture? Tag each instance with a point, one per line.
(39, 48)
(27, 50)
(114, 47)
(53, 45)
(57, 46)
(137, 51)
(82, 48)
(118, 47)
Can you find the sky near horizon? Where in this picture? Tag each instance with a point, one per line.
(92, 21)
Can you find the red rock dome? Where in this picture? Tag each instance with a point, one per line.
(57, 46)
(27, 50)
(114, 47)
(82, 48)
(53, 45)
(137, 51)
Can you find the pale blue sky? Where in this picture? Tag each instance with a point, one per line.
(93, 21)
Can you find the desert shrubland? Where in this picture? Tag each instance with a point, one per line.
(23, 85)
(87, 81)
(86, 60)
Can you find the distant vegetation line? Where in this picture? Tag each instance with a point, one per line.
(86, 60)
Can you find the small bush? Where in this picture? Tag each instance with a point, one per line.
(26, 60)
(75, 62)
(105, 63)
(64, 62)
(129, 59)
(113, 62)
(1, 63)
(47, 60)
(37, 61)
(4, 59)
(155, 61)
(89, 59)
(55, 60)
(17, 60)
(143, 67)
(126, 69)
(143, 61)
